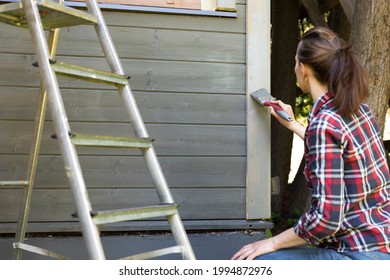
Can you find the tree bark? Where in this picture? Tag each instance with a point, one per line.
(370, 37)
(339, 23)
(285, 35)
(299, 198)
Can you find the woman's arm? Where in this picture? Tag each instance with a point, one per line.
(294, 126)
(285, 239)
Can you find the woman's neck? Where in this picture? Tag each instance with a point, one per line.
(316, 89)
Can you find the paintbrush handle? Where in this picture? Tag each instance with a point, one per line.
(279, 110)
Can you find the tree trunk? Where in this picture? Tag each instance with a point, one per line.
(283, 86)
(370, 37)
(339, 23)
(299, 198)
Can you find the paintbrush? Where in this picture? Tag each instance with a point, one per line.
(263, 97)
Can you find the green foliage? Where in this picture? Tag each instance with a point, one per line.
(304, 25)
(303, 105)
(275, 217)
(291, 221)
(281, 224)
(268, 233)
(296, 215)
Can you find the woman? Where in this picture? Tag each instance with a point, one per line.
(346, 166)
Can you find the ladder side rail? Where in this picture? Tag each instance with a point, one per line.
(34, 153)
(181, 237)
(61, 126)
(116, 67)
(139, 128)
(129, 101)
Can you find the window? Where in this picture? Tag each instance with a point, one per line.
(178, 4)
(205, 5)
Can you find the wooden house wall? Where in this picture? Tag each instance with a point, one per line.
(188, 77)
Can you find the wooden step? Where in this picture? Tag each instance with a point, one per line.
(53, 15)
(131, 214)
(13, 183)
(110, 141)
(38, 250)
(89, 74)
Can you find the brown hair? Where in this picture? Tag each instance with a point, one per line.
(335, 65)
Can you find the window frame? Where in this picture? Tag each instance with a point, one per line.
(207, 7)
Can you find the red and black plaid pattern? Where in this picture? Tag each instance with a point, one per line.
(346, 169)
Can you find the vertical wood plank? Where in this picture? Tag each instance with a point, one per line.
(258, 188)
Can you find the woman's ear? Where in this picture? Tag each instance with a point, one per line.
(303, 69)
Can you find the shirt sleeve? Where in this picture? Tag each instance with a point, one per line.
(324, 171)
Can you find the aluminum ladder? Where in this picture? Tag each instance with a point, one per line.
(56, 15)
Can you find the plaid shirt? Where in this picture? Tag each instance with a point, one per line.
(346, 169)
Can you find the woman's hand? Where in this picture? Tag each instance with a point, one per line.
(286, 107)
(294, 125)
(255, 249)
(286, 239)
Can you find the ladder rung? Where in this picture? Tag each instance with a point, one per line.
(110, 141)
(53, 15)
(113, 216)
(155, 253)
(89, 74)
(14, 183)
(38, 250)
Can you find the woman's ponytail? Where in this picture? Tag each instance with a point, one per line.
(348, 81)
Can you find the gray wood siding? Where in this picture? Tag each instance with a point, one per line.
(188, 77)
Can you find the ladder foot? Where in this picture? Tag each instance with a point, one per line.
(38, 250)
